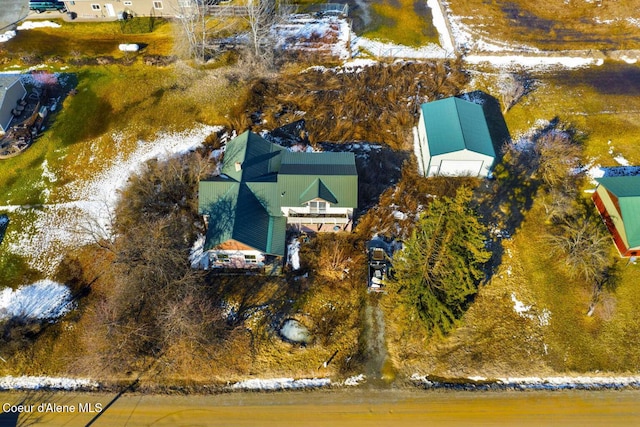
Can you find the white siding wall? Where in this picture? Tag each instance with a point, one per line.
(236, 258)
(307, 210)
(456, 159)
(421, 146)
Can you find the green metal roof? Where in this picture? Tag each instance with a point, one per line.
(318, 163)
(239, 214)
(627, 190)
(256, 157)
(318, 190)
(245, 204)
(453, 124)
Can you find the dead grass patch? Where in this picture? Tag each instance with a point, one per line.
(553, 25)
(405, 22)
(377, 103)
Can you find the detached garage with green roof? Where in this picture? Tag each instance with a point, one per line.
(453, 139)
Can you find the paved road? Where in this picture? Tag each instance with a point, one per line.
(12, 11)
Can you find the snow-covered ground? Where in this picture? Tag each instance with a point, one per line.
(37, 383)
(42, 300)
(27, 25)
(537, 383)
(280, 384)
(293, 254)
(57, 227)
(30, 25)
(327, 35)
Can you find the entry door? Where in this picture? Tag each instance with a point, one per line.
(110, 10)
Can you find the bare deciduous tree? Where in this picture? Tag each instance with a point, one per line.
(513, 87)
(262, 16)
(559, 157)
(198, 27)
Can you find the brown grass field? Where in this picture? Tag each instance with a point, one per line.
(554, 24)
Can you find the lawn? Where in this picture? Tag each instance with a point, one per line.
(555, 335)
(82, 40)
(554, 24)
(405, 22)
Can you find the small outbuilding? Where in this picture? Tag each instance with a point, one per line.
(11, 93)
(453, 139)
(618, 201)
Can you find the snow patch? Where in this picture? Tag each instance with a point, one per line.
(440, 24)
(621, 160)
(293, 254)
(528, 312)
(30, 25)
(534, 383)
(518, 306)
(281, 384)
(383, 49)
(198, 258)
(58, 227)
(355, 380)
(46, 172)
(37, 383)
(7, 35)
(42, 300)
(598, 171)
(531, 61)
(329, 35)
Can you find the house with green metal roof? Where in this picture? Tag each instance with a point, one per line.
(263, 189)
(618, 201)
(452, 139)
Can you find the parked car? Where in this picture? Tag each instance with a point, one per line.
(47, 6)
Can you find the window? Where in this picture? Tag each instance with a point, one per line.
(157, 5)
(128, 3)
(250, 259)
(222, 257)
(95, 7)
(318, 206)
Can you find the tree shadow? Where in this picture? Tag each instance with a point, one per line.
(504, 200)
(379, 168)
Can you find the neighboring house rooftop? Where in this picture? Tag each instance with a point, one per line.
(627, 191)
(453, 124)
(6, 81)
(11, 91)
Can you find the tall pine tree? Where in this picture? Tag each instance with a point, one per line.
(440, 267)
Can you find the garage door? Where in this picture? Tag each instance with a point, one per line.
(460, 167)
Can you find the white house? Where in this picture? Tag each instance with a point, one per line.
(452, 139)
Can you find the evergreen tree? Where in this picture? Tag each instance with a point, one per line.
(440, 267)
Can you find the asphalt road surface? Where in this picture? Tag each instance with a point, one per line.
(12, 11)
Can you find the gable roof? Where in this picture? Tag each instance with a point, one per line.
(627, 190)
(318, 190)
(258, 178)
(256, 157)
(236, 213)
(453, 124)
(328, 176)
